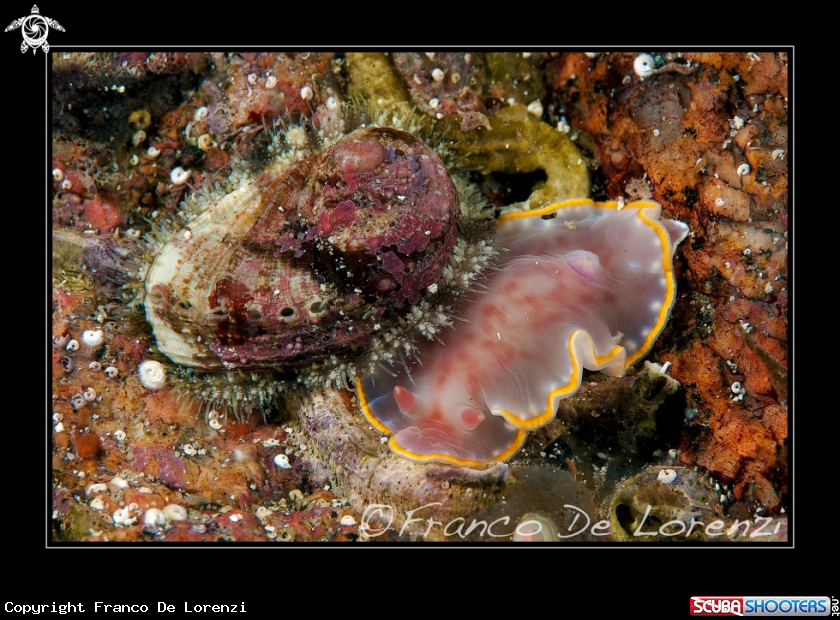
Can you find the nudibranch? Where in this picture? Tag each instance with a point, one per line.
(581, 285)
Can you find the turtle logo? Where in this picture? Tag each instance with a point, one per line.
(35, 29)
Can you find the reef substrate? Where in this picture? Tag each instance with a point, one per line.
(123, 454)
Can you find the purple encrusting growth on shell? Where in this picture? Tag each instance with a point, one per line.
(308, 262)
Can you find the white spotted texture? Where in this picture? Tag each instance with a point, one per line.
(93, 338)
(643, 65)
(152, 374)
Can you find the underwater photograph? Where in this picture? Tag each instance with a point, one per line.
(512, 297)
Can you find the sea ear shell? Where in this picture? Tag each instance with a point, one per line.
(309, 261)
(583, 285)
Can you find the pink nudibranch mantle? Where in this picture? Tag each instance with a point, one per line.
(582, 285)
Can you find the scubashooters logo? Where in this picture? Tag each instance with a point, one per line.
(760, 606)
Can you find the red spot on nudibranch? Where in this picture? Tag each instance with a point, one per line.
(436, 420)
(587, 298)
(472, 417)
(406, 401)
(445, 366)
(490, 312)
(534, 301)
(473, 383)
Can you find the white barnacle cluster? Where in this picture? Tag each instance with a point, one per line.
(152, 374)
(213, 420)
(667, 476)
(738, 391)
(644, 65)
(93, 338)
(332, 124)
(155, 518)
(126, 515)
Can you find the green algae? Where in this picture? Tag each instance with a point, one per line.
(374, 81)
(517, 142)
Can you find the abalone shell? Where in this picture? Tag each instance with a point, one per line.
(307, 261)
